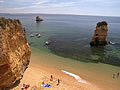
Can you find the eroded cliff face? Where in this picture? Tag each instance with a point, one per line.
(14, 51)
(100, 34)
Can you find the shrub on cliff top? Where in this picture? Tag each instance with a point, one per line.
(2, 22)
(101, 23)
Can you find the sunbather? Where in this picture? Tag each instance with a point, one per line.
(25, 87)
(45, 85)
(22, 87)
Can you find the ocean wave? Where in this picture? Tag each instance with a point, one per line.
(78, 78)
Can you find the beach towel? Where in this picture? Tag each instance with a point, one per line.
(46, 85)
(49, 86)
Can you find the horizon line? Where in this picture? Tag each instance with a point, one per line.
(62, 14)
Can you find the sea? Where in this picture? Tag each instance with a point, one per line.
(69, 49)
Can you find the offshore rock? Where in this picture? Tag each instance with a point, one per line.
(100, 34)
(38, 18)
(14, 51)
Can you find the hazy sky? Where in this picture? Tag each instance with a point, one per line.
(81, 7)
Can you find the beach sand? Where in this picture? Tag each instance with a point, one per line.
(38, 73)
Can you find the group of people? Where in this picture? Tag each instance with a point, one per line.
(51, 79)
(116, 75)
(25, 87)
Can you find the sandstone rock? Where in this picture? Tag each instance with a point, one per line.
(14, 51)
(100, 34)
(38, 18)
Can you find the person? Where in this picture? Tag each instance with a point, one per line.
(26, 87)
(43, 83)
(51, 78)
(113, 76)
(23, 86)
(58, 82)
(118, 74)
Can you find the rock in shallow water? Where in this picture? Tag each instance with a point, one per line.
(100, 34)
(38, 18)
(14, 51)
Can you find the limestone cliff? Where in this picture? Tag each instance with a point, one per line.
(38, 18)
(100, 34)
(14, 51)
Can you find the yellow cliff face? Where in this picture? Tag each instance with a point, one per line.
(100, 34)
(14, 51)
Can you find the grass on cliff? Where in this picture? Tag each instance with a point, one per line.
(2, 22)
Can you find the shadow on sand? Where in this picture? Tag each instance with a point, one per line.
(13, 86)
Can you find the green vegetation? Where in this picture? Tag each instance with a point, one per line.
(3, 22)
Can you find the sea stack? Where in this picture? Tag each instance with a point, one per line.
(14, 51)
(100, 34)
(38, 18)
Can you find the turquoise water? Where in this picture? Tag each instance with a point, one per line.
(70, 36)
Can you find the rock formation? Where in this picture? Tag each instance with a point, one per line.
(14, 51)
(100, 34)
(38, 18)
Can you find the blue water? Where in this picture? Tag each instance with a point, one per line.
(71, 34)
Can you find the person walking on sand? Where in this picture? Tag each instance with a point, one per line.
(51, 78)
(113, 76)
(58, 82)
(118, 74)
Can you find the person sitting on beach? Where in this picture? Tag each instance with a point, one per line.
(42, 83)
(45, 85)
(26, 87)
(23, 86)
(58, 82)
(51, 78)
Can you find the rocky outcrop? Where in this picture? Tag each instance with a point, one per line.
(14, 51)
(100, 34)
(38, 18)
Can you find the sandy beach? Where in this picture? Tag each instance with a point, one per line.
(36, 74)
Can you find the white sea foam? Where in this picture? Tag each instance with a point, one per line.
(79, 79)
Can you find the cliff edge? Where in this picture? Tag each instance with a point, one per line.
(100, 34)
(14, 51)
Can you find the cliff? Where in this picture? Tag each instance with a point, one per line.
(14, 51)
(100, 34)
(38, 18)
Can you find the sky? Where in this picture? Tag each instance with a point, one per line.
(78, 7)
